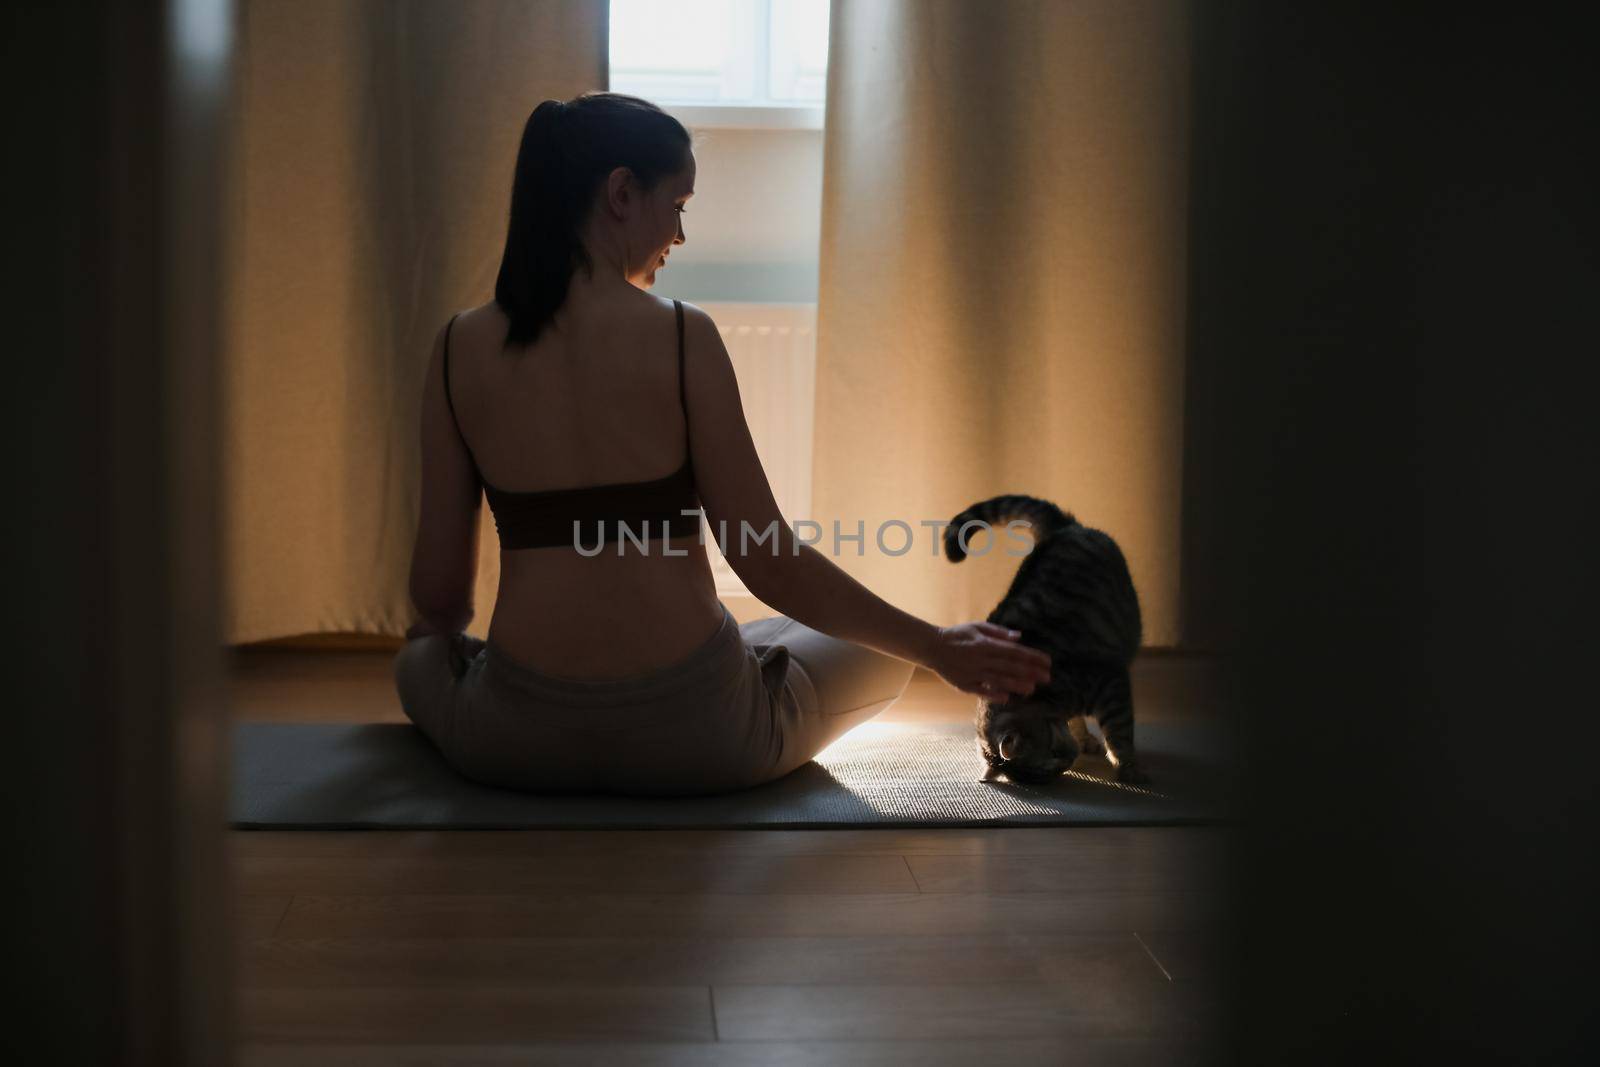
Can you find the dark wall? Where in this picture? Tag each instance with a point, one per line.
(1393, 289)
(117, 938)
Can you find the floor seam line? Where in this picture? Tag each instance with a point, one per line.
(1153, 959)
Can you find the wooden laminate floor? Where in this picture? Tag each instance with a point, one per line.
(927, 947)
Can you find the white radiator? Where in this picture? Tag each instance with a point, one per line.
(774, 353)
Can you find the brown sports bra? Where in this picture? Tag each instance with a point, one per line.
(590, 516)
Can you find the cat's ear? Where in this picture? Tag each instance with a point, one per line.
(1010, 745)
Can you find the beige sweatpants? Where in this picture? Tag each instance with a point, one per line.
(753, 703)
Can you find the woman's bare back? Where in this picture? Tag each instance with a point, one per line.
(594, 401)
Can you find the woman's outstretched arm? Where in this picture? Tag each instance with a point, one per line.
(444, 560)
(976, 657)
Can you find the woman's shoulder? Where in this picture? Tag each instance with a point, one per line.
(641, 302)
(656, 306)
(645, 310)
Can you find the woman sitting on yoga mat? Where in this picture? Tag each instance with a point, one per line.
(594, 415)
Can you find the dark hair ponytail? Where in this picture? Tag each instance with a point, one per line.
(567, 151)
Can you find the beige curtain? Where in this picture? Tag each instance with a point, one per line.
(371, 177)
(1001, 303)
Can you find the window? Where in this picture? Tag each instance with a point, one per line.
(751, 63)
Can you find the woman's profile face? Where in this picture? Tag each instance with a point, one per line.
(661, 223)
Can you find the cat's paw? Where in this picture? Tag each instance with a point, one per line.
(1091, 746)
(1132, 774)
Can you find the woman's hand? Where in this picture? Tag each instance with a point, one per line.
(985, 659)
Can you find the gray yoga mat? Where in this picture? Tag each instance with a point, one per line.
(315, 776)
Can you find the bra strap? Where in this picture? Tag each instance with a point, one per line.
(682, 400)
(447, 400)
(451, 403)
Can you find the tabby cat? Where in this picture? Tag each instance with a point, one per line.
(1073, 599)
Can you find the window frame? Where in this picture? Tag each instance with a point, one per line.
(735, 114)
(748, 116)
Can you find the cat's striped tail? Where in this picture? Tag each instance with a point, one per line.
(1043, 517)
